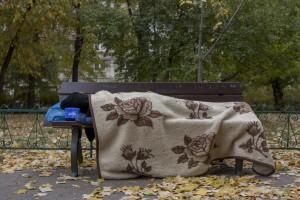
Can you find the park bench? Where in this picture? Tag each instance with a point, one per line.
(211, 92)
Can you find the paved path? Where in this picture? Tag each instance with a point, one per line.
(74, 189)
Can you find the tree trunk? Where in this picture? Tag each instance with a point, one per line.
(200, 56)
(278, 94)
(77, 53)
(31, 92)
(141, 35)
(11, 49)
(5, 65)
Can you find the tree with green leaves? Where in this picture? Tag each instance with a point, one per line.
(151, 40)
(262, 47)
(39, 40)
(163, 40)
(12, 24)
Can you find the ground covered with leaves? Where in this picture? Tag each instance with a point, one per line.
(38, 175)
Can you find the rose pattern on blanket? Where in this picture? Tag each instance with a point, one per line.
(200, 113)
(257, 141)
(242, 107)
(138, 109)
(196, 150)
(137, 160)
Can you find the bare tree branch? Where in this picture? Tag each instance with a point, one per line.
(224, 30)
(230, 76)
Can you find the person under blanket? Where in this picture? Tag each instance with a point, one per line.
(81, 101)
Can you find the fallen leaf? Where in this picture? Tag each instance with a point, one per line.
(29, 185)
(101, 180)
(187, 188)
(201, 192)
(40, 194)
(21, 191)
(87, 196)
(45, 174)
(26, 175)
(61, 182)
(76, 186)
(8, 171)
(93, 183)
(70, 178)
(148, 192)
(297, 180)
(46, 188)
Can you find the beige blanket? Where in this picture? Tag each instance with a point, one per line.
(154, 135)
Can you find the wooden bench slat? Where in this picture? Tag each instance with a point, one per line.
(211, 98)
(161, 88)
(213, 92)
(68, 124)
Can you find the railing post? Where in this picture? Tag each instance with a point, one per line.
(36, 128)
(5, 129)
(288, 133)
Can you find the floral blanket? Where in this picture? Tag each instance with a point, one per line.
(154, 135)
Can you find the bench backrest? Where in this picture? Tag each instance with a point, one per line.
(213, 92)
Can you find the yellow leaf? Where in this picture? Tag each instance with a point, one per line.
(46, 188)
(148, 192)
(40, 194)
(231, 192)
(188, 2)
(218, 183)
(285, 157)
(187, 188)
(22, 191)
(235, 184)
(26, 175)
(185, 2)
(29, 186)
(297, 180)
(46, 185)
(217, 25)
(69, 178)
(101, 180)
(45, 174)
(219, 194)
(60, 182)
(201, 191)
(278, 166)
(8, 171)
(15, 144)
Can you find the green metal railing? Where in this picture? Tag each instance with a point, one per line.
(282, 128)
(36, 136)
(24, 129)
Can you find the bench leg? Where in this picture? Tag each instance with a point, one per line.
(79, 148)
(75, 150)
(238, 167)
